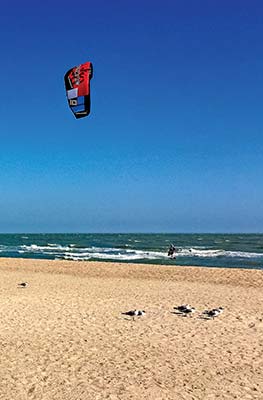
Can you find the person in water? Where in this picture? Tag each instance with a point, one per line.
(171, 251)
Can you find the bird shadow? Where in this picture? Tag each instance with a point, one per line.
(178, 314)
(203, 317)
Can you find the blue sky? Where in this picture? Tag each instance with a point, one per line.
(174, 141)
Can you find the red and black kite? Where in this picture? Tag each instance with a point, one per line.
(77, 82)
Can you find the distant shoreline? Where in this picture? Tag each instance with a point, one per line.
(203, 250)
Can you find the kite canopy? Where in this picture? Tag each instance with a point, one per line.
(77, 83)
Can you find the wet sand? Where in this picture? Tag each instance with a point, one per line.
(64, 337)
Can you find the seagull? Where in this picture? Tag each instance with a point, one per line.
(185, 309)
(182, 308)
(23, 284)
(134, 313)
(215, 312)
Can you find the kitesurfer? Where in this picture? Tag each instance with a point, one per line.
(171, 251)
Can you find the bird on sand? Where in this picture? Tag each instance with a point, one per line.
(23, 284)
(215, 312)
(185, 309)
(134, 313)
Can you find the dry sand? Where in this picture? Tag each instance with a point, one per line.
(64, 337)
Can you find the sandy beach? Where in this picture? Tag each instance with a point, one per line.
(64, 337)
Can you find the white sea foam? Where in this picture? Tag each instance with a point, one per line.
(35, 247)
(211, 253)
(132, 255)
(70, 251)
(114, 254)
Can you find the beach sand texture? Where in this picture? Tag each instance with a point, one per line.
(63, 337)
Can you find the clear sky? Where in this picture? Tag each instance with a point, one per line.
(174, 141)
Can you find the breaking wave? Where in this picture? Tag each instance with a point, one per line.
(220, 250)
(72, 252)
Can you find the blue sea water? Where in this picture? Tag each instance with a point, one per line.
(211, 250)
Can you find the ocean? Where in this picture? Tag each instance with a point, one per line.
(209, 250)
